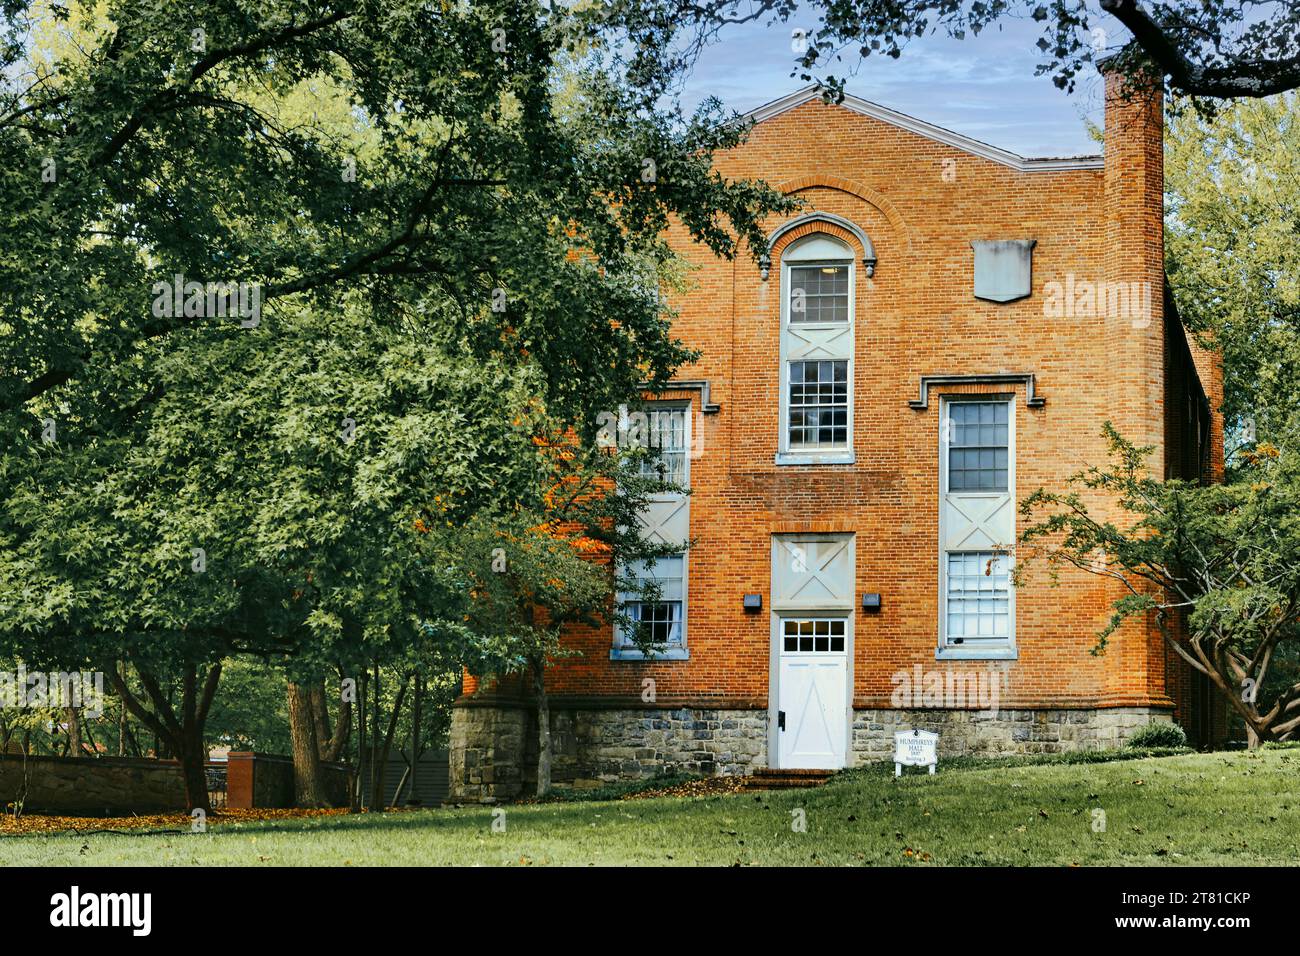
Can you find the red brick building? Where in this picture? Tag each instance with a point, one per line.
(941, 329)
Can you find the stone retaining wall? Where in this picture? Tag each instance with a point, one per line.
(91, 785)
(494, 749)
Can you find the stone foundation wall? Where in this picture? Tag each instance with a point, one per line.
(494, 749)
(486, 747)
(1008, 732)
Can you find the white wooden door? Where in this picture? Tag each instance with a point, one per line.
(812, 692)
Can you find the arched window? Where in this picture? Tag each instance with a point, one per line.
(817, 304)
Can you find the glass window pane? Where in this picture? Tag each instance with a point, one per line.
(978, 446)
(661, 618)
(819, 293)
(978, 605)
(818, 405)
(667, 445)
(815, 635)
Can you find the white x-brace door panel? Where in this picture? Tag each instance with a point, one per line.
(812, 709)
(667, 521)
(977, 522)
(812, 573)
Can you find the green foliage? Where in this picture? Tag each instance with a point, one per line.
(250, 711)
(454, 217)
(1233, 182)
(1213, 48)
(1169, 736)
(510, 583)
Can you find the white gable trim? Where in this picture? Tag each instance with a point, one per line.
(928, 130)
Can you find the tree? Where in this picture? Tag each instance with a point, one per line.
(152, 149)
(463, 256)
(523, 578)
(1218, 566)
(1210, 48)
(249, 711)
(1233, 187)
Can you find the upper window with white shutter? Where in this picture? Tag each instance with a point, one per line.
(816, 363)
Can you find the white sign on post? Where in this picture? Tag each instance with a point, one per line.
(915, 748)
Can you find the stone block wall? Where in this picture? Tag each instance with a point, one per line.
(91, 785)
(1008, 732)
(487, 752)
(494, 749)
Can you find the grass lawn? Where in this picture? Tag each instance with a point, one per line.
(1208, 809)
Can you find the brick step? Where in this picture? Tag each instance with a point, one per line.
(792, 771)
(786, 779)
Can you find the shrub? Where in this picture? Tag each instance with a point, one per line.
(1158, 735)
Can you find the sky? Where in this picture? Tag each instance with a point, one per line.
(983, 86)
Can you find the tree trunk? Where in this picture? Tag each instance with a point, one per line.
(361, 739)
(193, 757)
(376, 782)
(381, 765)
(74, 732)
(1252, 738)
(331, 745)
(417, 714)
(320, 713)
(308, 786)
(88, 742)
(182, 732)
(543, 729)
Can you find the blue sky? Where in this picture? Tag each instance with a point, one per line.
(983, 86)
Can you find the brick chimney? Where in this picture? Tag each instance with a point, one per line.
(1132, 305)
(1132, 314)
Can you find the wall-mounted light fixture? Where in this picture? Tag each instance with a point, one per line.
(753, 603)
(871, 603)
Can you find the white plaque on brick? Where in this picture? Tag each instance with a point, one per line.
(915, 748)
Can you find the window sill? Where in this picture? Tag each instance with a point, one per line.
(1002, 653)
(815, 458)
(632, 654)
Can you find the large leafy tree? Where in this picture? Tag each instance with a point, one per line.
(515, 581)
(462, 254)
(1233, 185)
(153, 148)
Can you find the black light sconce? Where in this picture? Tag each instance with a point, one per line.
(753, 603)
(871, 603)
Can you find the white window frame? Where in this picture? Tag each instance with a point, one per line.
(685, 408)
(621, 649)
(815, 456)
(990, 651)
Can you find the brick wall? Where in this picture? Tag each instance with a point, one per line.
(921, 202)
